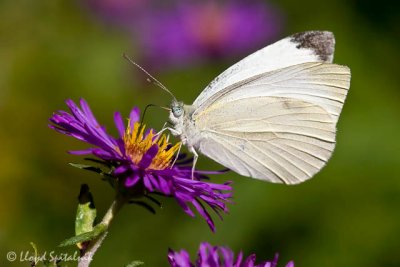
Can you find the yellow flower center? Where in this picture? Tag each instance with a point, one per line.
(136, 145)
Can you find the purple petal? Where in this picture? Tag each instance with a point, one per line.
(249, 262)
(147, 182)
(101, 153)
(88, 112)
(81, 152)
(239, 260)
(76, 112)
(214, 256)
(119, 123)
(148, 156)
(182, 203)
(134, 116)
(154, 181)
(227, 255)
(132, 180)
(179, 259)
(82, 125)
(165, 186)
(121, 170)
(203, 212)
(275, 260)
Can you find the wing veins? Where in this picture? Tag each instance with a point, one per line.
(309, 83)
(242, 164)
(278, 132)
(261, 163)
(298, 141)
(280, 124)
(290, 161)
(307, 127)
(242, 83)
(294, 155)
(278, 138)
(274, 117)
(278, 156)
(328, 98)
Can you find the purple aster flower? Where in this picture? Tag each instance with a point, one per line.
(209, 256)
(184, 32)
(141, 162)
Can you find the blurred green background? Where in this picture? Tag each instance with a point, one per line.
(347, 215)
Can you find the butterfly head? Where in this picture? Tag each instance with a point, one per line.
(177, 109)
(176, 113)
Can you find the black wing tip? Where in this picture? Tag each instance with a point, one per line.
(321, 42)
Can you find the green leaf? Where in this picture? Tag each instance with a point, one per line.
(97, 230)
(135, 263)
(106, 174)
(87, 167)
(102, 162)
(85, 219)
(86, 212)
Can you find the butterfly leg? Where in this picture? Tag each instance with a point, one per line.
(165, 124)
(172, 130)
(177, 155)
(195, 156)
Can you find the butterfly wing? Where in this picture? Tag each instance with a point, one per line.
(279, 126)
(312, 46)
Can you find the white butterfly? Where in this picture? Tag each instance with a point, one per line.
(271, 116)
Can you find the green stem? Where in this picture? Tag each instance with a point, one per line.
(87, 257)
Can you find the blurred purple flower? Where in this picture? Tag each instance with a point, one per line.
(193, 31)
(118, 12)
(184, 32)
(142, 162)
(209, 256)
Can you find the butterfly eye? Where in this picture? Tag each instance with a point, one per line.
(177, 111)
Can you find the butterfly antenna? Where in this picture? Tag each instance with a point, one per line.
(151, 78)
(144, 113)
